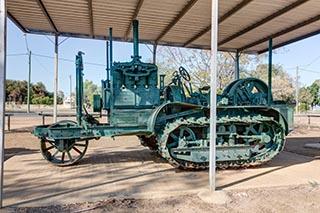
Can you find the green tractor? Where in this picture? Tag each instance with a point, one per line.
(171, 119)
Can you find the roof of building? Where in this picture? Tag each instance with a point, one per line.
(244, 25)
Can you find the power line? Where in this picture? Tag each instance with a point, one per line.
(46, 69)
(49, 39)
(68, 60)
(43, 67)
(314, 60)
(307, 70)
(17, 54)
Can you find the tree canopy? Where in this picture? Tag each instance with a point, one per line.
(282, 87)
(89, 89)
(17, 92)
(314, 91)
(197, 62)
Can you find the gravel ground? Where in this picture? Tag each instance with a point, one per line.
(287, 199)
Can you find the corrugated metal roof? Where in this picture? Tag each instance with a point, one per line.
(244, 25)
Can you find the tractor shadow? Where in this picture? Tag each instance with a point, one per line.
(103, 156)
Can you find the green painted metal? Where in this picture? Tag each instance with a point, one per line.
(135, 25)
(172, 119)
(79, 85)
(270, 73)
(237, 76)
(97, 103)
(249, 92)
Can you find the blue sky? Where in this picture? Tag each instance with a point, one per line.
(304, 53)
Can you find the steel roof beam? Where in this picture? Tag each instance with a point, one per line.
(200, 34)
(234, 10)
(16, 22)
(186, 8)
(91, 17)
(292, 41)
(282, 32)
(45, 12)
(135, 15)
(221, 19)
(263, 21)
(87, 36)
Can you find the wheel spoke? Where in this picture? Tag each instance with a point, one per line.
(173, 144)
(251, 87)
(181, 133)
(174, 136)
(254, 132)
(62, 157)
(77, 150)
(50, 147)
(189, 138)
(80, 144)
(56, 152)
(69, 155)
(260, 128)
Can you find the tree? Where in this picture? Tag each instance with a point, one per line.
(305, 98)
(60, 97)
(89, 89)
(197, 62)
(282, 87)
(16, 91)
(314, 91)
(38, 90)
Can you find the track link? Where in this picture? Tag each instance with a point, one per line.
(203, 122)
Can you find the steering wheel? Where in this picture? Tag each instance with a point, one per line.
(184, 73)
(174, 74)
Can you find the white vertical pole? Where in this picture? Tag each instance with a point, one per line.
(55, 87)
(70, 91)
(213, 94)
(3, 32)
(297, 90)
(29, 79)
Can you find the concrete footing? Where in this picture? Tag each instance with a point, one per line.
(312, 145)
(214, 197)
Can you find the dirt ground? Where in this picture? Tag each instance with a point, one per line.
(303, 198)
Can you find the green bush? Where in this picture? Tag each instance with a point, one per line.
(304, 107)
(42, 100)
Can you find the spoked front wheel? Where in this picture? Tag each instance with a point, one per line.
(63, 152)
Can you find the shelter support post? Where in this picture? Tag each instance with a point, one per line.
(3, 32)
(237, 65)
(70, 78)
(107, 61)
(213, 94)
(55, 87)
(29, 79)
(297, 90)
(154, 53)
(270, 72)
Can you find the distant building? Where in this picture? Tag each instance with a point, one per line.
(69, 101)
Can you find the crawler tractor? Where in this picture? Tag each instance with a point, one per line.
(171, 119)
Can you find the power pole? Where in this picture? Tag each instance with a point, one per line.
(29, 79)
(55, 85)
(70, 92)
(297, 90)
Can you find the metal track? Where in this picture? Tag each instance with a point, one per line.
(203, 122)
